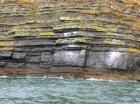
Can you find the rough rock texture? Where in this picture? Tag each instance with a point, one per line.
(92, 34)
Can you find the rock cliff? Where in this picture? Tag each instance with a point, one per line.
(81, 34)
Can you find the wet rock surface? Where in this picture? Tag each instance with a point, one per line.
(84, 34)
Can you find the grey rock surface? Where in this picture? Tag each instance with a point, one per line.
(70, 33)
(69, 58)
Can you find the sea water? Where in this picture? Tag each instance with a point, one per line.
(43, 90)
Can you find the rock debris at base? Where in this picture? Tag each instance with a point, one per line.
(69, 34)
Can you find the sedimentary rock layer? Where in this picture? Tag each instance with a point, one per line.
(92, 34)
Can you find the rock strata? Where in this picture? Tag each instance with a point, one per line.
(70, 34)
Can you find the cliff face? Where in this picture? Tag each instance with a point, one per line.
(63, 33)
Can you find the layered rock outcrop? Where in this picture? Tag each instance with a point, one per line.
(70, 33)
